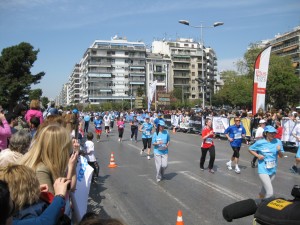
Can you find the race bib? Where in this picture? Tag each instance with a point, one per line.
(98, 125)
(121, 126)
(147, 133)
(208, 140)
(237, 136)
(270, 164)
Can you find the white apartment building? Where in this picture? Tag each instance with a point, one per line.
(112, 71)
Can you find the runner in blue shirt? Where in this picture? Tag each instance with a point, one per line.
(98, 127)
(161, 141)
(267, 151)
(146, 128)
(235, 135)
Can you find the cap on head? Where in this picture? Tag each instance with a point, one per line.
(162, 123)
(262, 121)
(147, 117)
(159, 114)
(75, 111)
(270, 129)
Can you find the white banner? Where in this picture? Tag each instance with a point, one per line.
(151, 91)
(220, 124)
(80, 197)
(260, 80)
(288, 126)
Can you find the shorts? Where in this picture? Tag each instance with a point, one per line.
(106, 127)
(98, 132)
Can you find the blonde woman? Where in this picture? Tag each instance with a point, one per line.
(49, 156)
(34, 111)
(25, 193)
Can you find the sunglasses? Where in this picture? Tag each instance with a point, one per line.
(237, 121)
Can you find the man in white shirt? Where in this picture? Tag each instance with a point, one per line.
(106, 121)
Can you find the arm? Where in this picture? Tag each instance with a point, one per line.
(5, 130)
(260, 157)
(71, 175)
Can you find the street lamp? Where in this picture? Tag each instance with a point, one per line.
(201, 26)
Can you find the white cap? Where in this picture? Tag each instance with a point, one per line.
(262, 121)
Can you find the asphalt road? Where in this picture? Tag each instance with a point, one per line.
(130, 191)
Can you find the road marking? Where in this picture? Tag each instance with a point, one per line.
(218, 188)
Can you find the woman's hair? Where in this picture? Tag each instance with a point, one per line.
(18, 109)
(51, 147)
(34, 104)
(23, 184)
(20, 141)
(52, 119)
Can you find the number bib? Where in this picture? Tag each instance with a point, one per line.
(237, 136)
(147, 133)
(270, 164)
(208, 140)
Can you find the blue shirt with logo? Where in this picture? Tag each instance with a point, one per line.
(98, 124)
(147, 130)
(163, 137)
(235, 132)
(268, 149)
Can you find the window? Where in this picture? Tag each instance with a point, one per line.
(193, 73)
(193, 96)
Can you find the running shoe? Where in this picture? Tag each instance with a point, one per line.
(228, 164)
(158, 180)
(130, 139)
(201, 168)
(142, 151)
(237, 170)
(294, 169)
(148, 157)
(211, 171)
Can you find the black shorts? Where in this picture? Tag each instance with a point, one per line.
(106, 128)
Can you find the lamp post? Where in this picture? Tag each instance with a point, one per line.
(201, 26)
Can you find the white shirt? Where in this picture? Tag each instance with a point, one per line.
(89, 147)
(259, 133)
(106, 121)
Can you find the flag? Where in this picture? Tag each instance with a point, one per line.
(260, 80)
(151, 92)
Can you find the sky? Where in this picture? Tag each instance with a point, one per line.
(63, 29)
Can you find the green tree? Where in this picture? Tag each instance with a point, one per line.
(35, 94)
(15, 75)
(45, 101)
(140, 92)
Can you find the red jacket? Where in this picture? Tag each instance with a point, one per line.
(208, 142)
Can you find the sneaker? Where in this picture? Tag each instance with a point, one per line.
(252, 164)
(135, 141)
(294, 169)
(228, 164)
(119, 139)
(142, 151)
(130, 139)
(202, 168)
(148, 157)
(237, 170)
(211, 171)
(97, 140)
(158, 180)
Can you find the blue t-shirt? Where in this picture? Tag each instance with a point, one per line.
(98, 124)
(165, 138)
(236, 133)
(147, 130)
(269, 150)
(298, 153)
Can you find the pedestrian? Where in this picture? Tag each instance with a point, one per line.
(208, 146)
(234, 134)
(134, 125)
(259, 134)
(146, 128)
(112, 120)
(34, 111)
(161, 141)
(90, 156)
(267, 151)
(5, 131)
(86, 119)
(296, 134)
(121, 126)
(98, 127)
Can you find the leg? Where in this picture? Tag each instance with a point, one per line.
(164, 164)
(158, 164)
(203, 156)
(212, 155)
(267, 188)
(135, 134)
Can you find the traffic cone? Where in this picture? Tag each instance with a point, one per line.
(179, 218)
(112, 163)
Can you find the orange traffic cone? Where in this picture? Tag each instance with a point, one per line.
(112, 163)
(179, 218)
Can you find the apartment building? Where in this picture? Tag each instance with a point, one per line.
(190, 61)
(112, 71)
(74, 95)
(288, 44)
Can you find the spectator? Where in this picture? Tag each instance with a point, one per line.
(18, 146)
(12, 120)
(34, 124)
(91, 158)
(52, 110)
(20, 111)
(34, 111)
(49, 155)
(7, 206)
(25, 193)
(5, 132)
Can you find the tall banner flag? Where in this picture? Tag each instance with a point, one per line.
(151, 92)
(260, 80)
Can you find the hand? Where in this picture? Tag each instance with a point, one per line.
(278, 148)
(61, 186)
(260, 157)
(44, 188)
(73, 160)
(230, 139)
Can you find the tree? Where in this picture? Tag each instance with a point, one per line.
(45, 101)
(35, 94)
(15, 74)
(140, 92)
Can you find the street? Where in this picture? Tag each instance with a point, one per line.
(130, 191)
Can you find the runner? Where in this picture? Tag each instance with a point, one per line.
(259, 134)
(134, 128)
(296, 134)
(208, 145)
(121, 126)
(98, 127)
(234, 134)
(161, 141)
(106, 120)
(112, 120)
(146, 128)
(267, 151)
